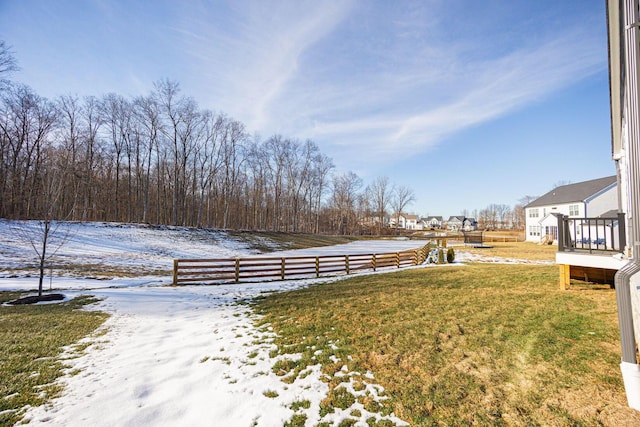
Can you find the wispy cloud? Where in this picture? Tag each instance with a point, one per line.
(252, 56)
(505, 84)
(419, 113)
(365, 79)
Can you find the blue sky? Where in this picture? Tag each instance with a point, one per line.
(469, 103)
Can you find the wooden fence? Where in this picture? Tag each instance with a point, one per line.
(186, 271)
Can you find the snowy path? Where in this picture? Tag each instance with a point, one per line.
(177, 356)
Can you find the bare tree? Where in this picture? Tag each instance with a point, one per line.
(323, 165)
(116, 114)
(345, 195)
(402, 197)
(277, 148)
(25, 126)
(208, 159)
(380, 192)
(48, 235)
(232, 160)
(8, 64)
(502, 213)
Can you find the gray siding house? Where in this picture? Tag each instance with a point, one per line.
(580, 200)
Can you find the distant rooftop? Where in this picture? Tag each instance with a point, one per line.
(578, 192)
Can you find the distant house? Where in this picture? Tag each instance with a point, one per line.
(580, 200)
(433, 222)
(469, 224)
(455, 223)
(403, 220)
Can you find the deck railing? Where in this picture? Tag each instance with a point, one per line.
(257, 268)
(602, 234)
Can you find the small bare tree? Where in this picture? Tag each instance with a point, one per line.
(48, 235)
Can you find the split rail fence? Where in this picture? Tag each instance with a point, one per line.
(250, 269)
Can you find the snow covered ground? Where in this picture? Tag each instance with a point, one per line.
(172, 356)
(99, 246)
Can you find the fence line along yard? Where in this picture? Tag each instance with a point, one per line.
(186, 271)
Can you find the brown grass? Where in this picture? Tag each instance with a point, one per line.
(481, 344)
(515, 250)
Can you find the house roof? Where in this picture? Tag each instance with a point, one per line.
(404, 215)
(437, 218)
(613, 213)
(578, 192)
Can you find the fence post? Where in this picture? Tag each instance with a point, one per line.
(282, 268)
(398, 259)
(237, 270)
(415, 257)
(622, 233)
(346, 263)
(373, 262)
(317, 266)
(561, 224)
(175, 272)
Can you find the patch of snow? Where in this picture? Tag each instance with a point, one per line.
(188, 355)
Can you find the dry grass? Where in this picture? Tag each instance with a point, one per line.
(516, 250)
(33, 337)
(472, 345)
(266, 241)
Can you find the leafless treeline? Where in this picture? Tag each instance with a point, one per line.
(157, 158)
(161, 159)
(500, 216)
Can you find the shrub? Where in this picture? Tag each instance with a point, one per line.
(440, 256)
(451, 255)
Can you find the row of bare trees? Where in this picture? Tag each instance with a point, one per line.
(162, 159)
(500, 216)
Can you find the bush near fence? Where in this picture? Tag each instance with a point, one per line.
(251, 269)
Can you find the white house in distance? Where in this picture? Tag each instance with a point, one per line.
(433, 222)
(580, 200)
(454, 223)
(405, 221)
(461, 223)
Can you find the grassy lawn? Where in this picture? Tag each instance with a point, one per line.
(32, 339)
(517, 250)
(479, 344)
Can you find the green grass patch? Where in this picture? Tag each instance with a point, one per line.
(271, 394)
(300, 404)
(32, 338)
(298, 420)
(479, 344)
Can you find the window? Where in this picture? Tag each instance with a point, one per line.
(534, 230)
(533, 213)
(574, 210)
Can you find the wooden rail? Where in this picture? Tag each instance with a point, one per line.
(186, 271)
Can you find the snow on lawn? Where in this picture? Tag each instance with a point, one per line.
(176, 355)
(115, 244)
